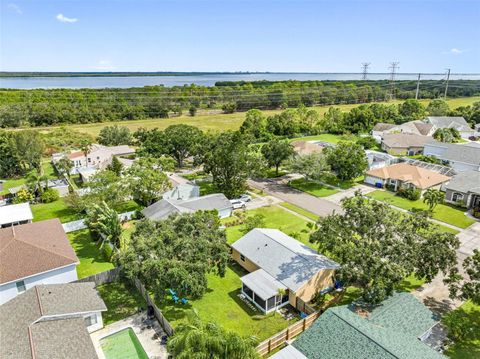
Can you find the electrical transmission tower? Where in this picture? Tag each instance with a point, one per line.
(446, 83)
(365, 66)
(393, 69)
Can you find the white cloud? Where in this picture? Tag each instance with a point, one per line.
(104, 65)
(454, 51)
(63, 18)
(15, 8)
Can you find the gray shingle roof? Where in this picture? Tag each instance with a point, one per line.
(390, 333)
(262, 283)
(60, 338)
(449, 122)
(467, 153)
(382, 126)
(283, 257)
(465, 182)
(166, 207)
(404, 140)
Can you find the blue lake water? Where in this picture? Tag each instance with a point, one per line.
(199, 79)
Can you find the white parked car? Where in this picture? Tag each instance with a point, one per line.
(245, 197)
(236, 203)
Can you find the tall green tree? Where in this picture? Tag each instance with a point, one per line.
(411, 110)
(447, 135)
(313, 166)
(377, 248)
(255, 125)
(433, 197)
(106, 186)
(438, 107)
(468, 287)
(105, 223)
(277, 151)
(177, 253)
(199, 339)
(114, 136)
(347, 160)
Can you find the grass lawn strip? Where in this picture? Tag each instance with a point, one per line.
(299, 210)
(314, 188)
(91, 257)
(442, 212)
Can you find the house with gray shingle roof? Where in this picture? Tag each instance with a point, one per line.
(276, 262)
(456, 122)
(404, 143)
(166, 207)
(461, 157)
(396, 329)
(51, 322)
(464, 188)
(412, 127)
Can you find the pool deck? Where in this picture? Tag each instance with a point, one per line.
(148, 337)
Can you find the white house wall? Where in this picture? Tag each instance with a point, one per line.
(62, 275)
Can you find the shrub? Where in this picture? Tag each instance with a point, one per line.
(409, 193)
(23, 196)
(107, 251)
(49, 195)
(367, 142)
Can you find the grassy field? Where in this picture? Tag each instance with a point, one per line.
(222, 305)
(300, 211)
(122, 300)
(221, 122)
(443, 212)
(314, 188)
(91, 258)
(468, 318)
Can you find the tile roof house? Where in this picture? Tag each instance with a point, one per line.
(403, 175)
(34, 253)
(277, 261)
(165, 207)
(461, 157)
(451, 122)
(464, 188)
(404, 143)
(15, 214)
(51, 322)
(397, 329)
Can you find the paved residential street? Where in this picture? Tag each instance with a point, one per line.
(277, 188)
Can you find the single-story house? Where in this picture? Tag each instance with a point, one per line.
(306, 147)
(32, 254)
(461, 157)
(457, 122)
(51, 322)
(400, 327)
(404, 143)
(379, 159)
(182, 192)
(15, 214)
(464, 188)
(278, 262)
(412, 127)
(403, 175)
(165, 207)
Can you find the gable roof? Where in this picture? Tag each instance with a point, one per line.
(33, 248)
(183, 192)
(302, 147)
(382, 126)
(418, 176)
(413, 127)
(341, 333)
(468, 181)
(467, 153)
(165, 207)
(457, 122)
(25, 335)
(404, 140)
(284, 258)
(15, 213)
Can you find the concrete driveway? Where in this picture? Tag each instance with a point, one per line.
(278, 188)
(337, 197)
(469, 239)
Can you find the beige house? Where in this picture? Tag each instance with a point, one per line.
(306, 147)
(403, 175)
(280, 264)
(404, 143)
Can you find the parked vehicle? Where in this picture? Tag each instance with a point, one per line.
(237, 204)
(245, 197)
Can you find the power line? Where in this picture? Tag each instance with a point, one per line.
(393, 69)
(365, 66)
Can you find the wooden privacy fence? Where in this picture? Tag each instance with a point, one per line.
(279, 339)
(167, 327)
(108, 276)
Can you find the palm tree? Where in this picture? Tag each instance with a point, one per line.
(198, 339)
(432, 197)
(104, 221)
(37, 181)
(85, 147)
(281, 292)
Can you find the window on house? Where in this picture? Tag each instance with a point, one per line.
(89, 159)
(21, 286)
(242, 257)
(90, 320)
(457, 197)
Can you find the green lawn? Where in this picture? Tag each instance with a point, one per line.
(276, 217)
(299, 210)
(326, 137)
(467, 319)
(48, 170)
(222, 305)
(443, 212)
(314, 188)
(57, 209)
(91, 258)
(334, 181)
(122, 300)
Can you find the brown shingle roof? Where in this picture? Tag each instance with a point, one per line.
(404, 172)
(33, 248)
(305, 148)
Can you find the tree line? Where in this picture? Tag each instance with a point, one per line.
(41, 107)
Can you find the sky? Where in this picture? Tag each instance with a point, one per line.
(232, 35)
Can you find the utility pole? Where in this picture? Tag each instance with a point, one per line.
(446, 83)
(365, 66)
(393, 69)
(418, 87)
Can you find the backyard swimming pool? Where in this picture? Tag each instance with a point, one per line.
(123, 345)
